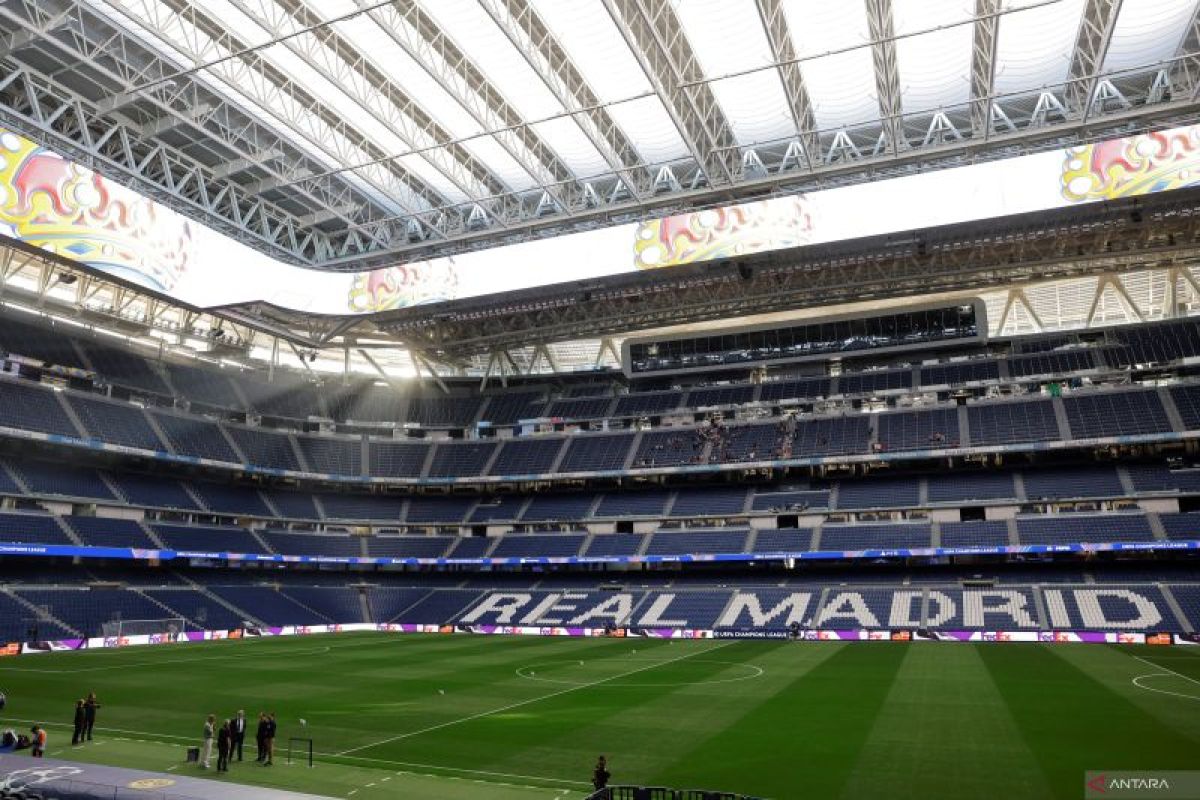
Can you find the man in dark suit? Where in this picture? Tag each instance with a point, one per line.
(260, 737)
(238, 730)
(77, 734)
(224, 742)
(90, 706)
(271, 727)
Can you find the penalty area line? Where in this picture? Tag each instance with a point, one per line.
(522, 703)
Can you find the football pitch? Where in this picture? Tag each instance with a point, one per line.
(440, 716)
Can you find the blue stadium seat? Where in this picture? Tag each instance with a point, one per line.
(110, 532)
(52, 479)
(558, 507)
(32, 408)
(206, 538)
(150, 491)
(434, 510)
(461, 460)
(526, 456)
(231, 499)
(978, 533)
(397, 459)
(1012, 422)
(709, 502)
(505, 507)
(1078, 528)
(192, 436)
(596, 453)
(651, 503)
(892, 492)
(329, 455)
(31, 529)
(118, 423)
(530, 546)
(690, 542)
(264, 449)
(362, 506)
(875, 536)
(1115, 414)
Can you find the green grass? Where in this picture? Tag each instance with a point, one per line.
(525, 717)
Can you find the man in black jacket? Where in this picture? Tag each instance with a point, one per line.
(77, 734)
(600, 774)
(238, 730)
(260, 737)
(89, 714)
(224, 741)
(271, 727)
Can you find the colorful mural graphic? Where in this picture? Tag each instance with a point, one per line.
(1136, 165)
(724, 232)
(51, 203)
(403, 286)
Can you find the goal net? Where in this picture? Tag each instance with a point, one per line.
(167, 626)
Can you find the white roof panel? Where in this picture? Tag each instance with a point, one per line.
(1147, 31)
(934, 67)
(842, 86)
(727, 36)
(1034, 45)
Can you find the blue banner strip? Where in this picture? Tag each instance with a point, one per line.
(72, 551)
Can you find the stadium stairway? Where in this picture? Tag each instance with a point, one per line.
(242, 614)
(41, 614)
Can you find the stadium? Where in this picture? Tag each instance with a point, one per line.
(605, 399)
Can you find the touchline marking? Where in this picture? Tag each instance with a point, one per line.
(530, 701)
(450, 769)
(237, 643)
(416, 764)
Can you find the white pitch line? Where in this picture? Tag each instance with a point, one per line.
(367, 759)
(1168, 669)
(530, 701)
(451, 769)
(1160, 691)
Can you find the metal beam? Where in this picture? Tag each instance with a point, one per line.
(38, 106)
(200, 37)
(983, 65)
(656, 38)
(1032, 248)
(783, 51)
(360, 78)
(1087, 58)
(887, 75)
(542, 51)
(1184, 72)
(416, 32)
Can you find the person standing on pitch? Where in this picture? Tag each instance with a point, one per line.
(260, 737)
(90, 707)
(239, 734)
(39, 741)
(600, 774)
(271, 728)
(206, 748)
(224, 742)
(77, 734)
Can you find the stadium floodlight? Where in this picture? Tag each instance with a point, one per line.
(167, 626)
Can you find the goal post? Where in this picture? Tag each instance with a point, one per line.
(300, 749)
(165, 626)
